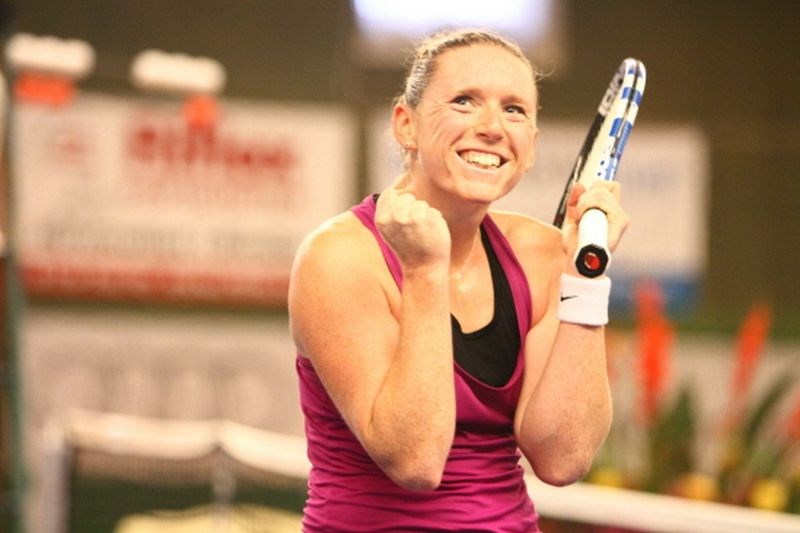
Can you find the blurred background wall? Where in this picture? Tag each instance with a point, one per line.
(727, 66)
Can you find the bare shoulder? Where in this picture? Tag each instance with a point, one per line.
(338, 272)
(340, 241)
(530, 238)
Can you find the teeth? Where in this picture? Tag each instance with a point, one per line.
(481, 159)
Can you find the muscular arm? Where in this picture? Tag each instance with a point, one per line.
(565, 411)
(384, 357)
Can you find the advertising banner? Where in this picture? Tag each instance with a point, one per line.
(123, 199)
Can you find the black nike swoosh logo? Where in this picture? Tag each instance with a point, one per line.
(571, 296)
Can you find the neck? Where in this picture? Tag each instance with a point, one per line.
(465, 237)
(462, 250)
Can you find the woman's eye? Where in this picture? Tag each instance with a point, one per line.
(515, 109)
(462, 100)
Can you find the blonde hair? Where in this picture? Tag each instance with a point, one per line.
(425, 55)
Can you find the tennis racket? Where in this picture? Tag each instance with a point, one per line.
(599, 158)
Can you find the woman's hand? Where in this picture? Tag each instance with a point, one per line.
(417, 233)
(600, 194)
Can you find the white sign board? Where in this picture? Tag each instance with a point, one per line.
(121, 199)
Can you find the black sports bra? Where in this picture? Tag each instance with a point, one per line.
(489, 354)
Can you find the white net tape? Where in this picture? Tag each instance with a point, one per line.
(282, 455)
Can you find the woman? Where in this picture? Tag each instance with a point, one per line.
(432, 343)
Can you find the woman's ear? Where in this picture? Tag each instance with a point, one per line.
(404, 126)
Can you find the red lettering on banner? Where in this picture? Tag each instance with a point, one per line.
(168, 159)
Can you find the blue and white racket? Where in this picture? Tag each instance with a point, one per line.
(599, 158)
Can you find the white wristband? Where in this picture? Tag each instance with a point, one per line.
(584, 301)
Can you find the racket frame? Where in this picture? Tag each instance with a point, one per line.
(599, 158)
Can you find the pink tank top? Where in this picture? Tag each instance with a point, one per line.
(482, 487)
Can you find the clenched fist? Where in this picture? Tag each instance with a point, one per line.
(416, 232)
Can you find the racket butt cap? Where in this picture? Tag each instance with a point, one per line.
(592, 261)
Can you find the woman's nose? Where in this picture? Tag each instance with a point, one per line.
(490, 124)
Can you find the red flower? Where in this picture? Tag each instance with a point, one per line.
(750, 343)
(655, 342)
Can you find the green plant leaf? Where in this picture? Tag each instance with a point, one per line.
(762, 411)
(671, 442)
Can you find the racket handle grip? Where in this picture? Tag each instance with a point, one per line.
(592, 257)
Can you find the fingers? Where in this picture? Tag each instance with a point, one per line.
(402, 207)
(575, 193)
(416, 231)
(602, 195)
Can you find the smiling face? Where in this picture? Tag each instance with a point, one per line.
(474, 131)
